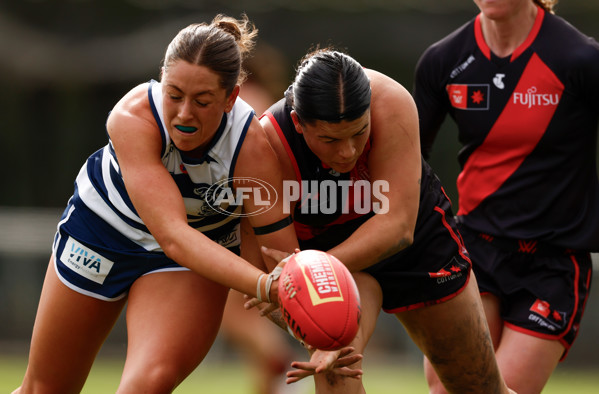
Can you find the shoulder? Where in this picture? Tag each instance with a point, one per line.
(134, 104)
(257, 157)
(387, 94)
(255, 144)
(277, 111)
(556, 31)
(393, 113)
(562, 44)
(276, 118)
(132, 114)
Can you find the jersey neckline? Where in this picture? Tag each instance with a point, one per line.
(484, 48)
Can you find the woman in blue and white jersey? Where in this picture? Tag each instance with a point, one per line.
(154, 222)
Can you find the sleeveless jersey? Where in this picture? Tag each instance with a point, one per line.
(528, 125)
(331, 227)
(433, 269)
(100, 186)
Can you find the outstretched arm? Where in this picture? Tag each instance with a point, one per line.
(259, 173)
(158, 201)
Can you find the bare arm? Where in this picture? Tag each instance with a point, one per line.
(157, 199)
(257, 159)
(394, 158)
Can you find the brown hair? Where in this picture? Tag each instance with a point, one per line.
(220, 46)
(547, 5)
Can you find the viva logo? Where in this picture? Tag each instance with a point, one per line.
(80, 256)
(85, 262)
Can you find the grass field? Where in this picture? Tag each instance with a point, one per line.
(232, 378)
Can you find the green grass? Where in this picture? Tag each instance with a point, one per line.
(215, 377)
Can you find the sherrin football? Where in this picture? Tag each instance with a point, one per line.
(319, 300)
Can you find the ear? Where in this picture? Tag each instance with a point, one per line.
(232, 98)
(296, 122)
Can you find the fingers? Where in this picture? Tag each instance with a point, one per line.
(303, 365)
(274, 254)
(264, 307)
(296, 376)
(349, 360)
(350, 373)
(341, 362)
(253, 302)
(307, 369)
(344, 351)
(322, 361)
(268, 309)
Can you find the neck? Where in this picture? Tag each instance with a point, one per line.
(503, 34)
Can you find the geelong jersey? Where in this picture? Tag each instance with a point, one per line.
(528, 126)
(100, 186)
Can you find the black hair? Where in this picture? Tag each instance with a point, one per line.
(329, 86)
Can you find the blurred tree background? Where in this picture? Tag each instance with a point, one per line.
(65, 63)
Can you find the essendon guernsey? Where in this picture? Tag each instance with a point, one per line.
(528, 125)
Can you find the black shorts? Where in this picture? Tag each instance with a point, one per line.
(542, 289)
(434, 269)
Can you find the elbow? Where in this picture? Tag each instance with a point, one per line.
(402, 240)
(405, 236)
(406, 239)
(170, 247)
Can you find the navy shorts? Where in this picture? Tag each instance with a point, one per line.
(542, 289)
(434, 269)
(94, 259)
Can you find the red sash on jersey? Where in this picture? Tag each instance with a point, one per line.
(508, 143)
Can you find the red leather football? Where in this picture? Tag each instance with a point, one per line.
(319, 300)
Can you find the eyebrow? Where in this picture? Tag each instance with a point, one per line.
(335, 138)
(200, 93)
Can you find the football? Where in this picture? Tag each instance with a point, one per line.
(319, 300)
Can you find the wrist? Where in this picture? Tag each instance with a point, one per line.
(261, 290)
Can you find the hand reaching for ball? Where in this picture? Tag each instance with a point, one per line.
(336, 361)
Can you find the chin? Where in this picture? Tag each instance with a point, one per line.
(342, 168)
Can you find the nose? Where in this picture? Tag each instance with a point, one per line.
(347, 149)
(184, 112)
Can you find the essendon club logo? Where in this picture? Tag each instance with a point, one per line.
(452, 270)
(547, 316)
(469, 97)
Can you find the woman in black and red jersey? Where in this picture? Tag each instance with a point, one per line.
(347, 140)
(522, 86)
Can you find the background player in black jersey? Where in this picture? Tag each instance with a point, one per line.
(341, 122)
(522, 86)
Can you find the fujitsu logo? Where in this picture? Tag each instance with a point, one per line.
(531, 98)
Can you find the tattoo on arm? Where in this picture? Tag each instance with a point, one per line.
(397, 247)
(277, 317)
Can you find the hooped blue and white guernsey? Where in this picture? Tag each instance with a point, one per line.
(101, 188)
(102, 245)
